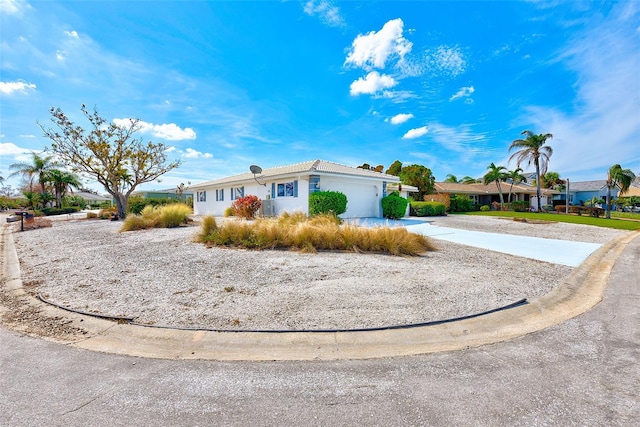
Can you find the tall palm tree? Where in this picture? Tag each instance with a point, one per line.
(516, 177)
(532, 150)
(36, 169)
(619, 177)
(496, 174)
(61, 181)
(451, 178)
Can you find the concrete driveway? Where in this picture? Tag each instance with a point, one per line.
(584, 371)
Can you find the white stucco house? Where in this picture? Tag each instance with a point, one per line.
(287, 188)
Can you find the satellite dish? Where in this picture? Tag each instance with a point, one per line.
(255, 169)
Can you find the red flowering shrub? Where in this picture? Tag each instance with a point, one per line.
(246, 207)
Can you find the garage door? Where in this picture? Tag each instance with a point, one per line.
(362, 199)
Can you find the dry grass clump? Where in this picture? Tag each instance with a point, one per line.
(168, 216)
(35, 223)
(322, 232)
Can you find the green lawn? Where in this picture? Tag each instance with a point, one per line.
(619, 224)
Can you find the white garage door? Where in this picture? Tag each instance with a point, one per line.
(362, 199)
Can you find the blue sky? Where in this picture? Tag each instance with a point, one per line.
(228, 84)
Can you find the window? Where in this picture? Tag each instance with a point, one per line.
(201, 196)
(220, 195)
(237, 193)
(287, 189)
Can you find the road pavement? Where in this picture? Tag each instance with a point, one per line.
(585, 371)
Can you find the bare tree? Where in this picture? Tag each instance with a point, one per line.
(108, 153)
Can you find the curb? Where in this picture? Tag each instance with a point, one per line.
(579, 292)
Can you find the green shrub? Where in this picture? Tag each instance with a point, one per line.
(485, 208)
(428, 209)
(520, 206)
(394, 206)
(324, 202)
(59, 211)
(246, 207)
(460, 203)
(228, 212)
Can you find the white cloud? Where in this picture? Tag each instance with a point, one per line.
(372, 83)
(61, 55)
(72, 34)
(190, 153)
(11, 149)
(326, 11)
(9, 6)
(166, 131)
(17, 86)
(446, 60)
(415, 133)
(373, 49)
(604, 126)
(466, 91)
(400, 118)
(170, 149)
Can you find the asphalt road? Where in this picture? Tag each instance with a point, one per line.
(585, 371)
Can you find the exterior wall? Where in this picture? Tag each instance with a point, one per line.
(363, 195)
(297, 203)
(579, 197)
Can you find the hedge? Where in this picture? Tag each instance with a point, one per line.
(394, 206)
(427, 209)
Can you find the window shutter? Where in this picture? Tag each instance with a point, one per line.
(232, 193)
(295, 188)
(273, 190)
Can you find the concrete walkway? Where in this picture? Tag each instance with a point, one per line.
(583, 371)
(556, 251)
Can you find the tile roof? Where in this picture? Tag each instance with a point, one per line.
(587, 185)
(310, 167)
(492, 188)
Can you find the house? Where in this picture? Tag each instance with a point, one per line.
(287, 189)
(93, 199)
(583, 191)
(487, 194)
(169, 193)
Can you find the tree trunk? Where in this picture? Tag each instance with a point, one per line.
(121, 203)
(608, 201)
(538, 184)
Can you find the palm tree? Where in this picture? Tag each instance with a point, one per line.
(37, 168)
(468, 180)
(516, 177)
(451, 178)
(496, 174)
(61, 181)
(532, 150)
(619, 177)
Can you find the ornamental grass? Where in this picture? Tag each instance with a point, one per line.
(168, 216)
(318, 233)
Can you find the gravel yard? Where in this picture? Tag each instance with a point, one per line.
(160, 277)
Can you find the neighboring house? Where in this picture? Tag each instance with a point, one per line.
(92, 199)
(582, 191)
(486, 194)
(164, 194)
(287, 189)
(632, 191)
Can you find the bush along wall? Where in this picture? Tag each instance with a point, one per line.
(394, 206)
(427, 209)
(327, 202)
(460, 203)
